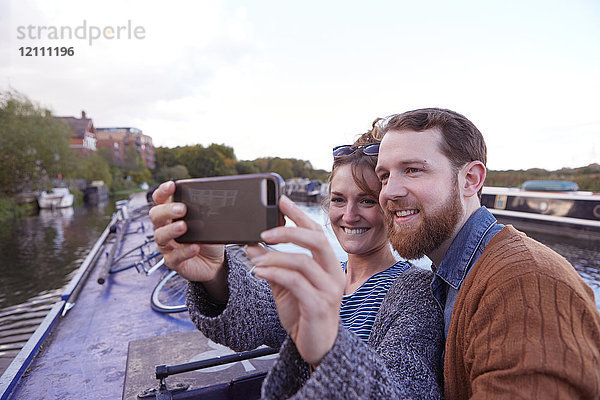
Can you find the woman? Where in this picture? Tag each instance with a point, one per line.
(363, 330)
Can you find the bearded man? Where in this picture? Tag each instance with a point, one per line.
(519, 321)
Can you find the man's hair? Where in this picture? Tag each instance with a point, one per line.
(461, 140)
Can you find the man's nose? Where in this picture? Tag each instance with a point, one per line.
(394, 189)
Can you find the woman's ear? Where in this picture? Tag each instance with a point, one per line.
(473, 175)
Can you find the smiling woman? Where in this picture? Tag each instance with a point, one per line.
(357, 220)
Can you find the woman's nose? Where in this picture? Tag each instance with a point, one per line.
(351, 213)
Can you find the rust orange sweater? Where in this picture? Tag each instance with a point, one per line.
(524, 326)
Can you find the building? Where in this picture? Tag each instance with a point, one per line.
(83, 134)
(117, 140)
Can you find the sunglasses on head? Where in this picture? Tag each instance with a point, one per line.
(371, 149)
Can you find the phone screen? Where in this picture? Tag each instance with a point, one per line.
(230, 209)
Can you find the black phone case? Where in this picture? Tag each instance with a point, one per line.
(229, 209)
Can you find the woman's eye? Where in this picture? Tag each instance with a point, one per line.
(337, 200)
(369, 201)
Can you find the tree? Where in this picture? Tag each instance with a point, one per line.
(246, 167)
(91, 167)
(214, 160)
(107, 155)
(166, 157)
(282, 166)
(33, 145)
(171, 173)
(134, 167)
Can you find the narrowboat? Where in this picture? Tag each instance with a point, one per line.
(95, 193)
(555, 207)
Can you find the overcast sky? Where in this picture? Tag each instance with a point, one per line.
(294, 79)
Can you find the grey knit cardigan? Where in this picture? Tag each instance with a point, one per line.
(402, 358)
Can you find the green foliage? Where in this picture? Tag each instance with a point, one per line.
(588, 178)
(218, 159)
(107, 155)
(166, 157)
(121, 184)
(289, 168)
(246, 167)
(133, 166)
(91, 167)
(77, 196)
(141, 176)
(33, 145)
(213, 160)
(132, 162)
(124, 193)
(319, 175)
(171, 173)
(10, 210)
(283, 167)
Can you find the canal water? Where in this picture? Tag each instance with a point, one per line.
(40, 254)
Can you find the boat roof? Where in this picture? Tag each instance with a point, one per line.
(574, 195)
(550, 186)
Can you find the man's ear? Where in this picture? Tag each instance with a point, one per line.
(473, 175)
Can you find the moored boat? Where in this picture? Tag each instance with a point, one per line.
(58, 197)
(556, 207)
(95, 193)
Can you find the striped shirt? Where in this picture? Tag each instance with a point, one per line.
(359, 309)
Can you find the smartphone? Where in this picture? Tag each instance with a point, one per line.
(229, 209)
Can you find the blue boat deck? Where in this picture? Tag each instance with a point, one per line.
(110, 332)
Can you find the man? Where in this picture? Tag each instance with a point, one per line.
(519, 321)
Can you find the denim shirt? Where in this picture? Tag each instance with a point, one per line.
(464, 251)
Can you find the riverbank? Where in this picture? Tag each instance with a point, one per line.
(11, 210)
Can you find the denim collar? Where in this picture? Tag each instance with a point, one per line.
(465, 248)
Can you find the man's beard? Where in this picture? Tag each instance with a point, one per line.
(414, 242)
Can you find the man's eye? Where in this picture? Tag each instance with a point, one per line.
(413, 170)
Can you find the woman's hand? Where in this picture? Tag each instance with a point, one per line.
(308, 290)
(195, 262)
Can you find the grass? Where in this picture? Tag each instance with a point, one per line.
(127, 192)
(10, 210)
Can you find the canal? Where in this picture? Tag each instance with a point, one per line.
(39, 254)
(38, 257)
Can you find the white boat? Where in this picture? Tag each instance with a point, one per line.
(55, 198)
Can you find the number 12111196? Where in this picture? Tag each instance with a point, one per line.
(46, 51)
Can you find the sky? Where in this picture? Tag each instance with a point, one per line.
(294, 79)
